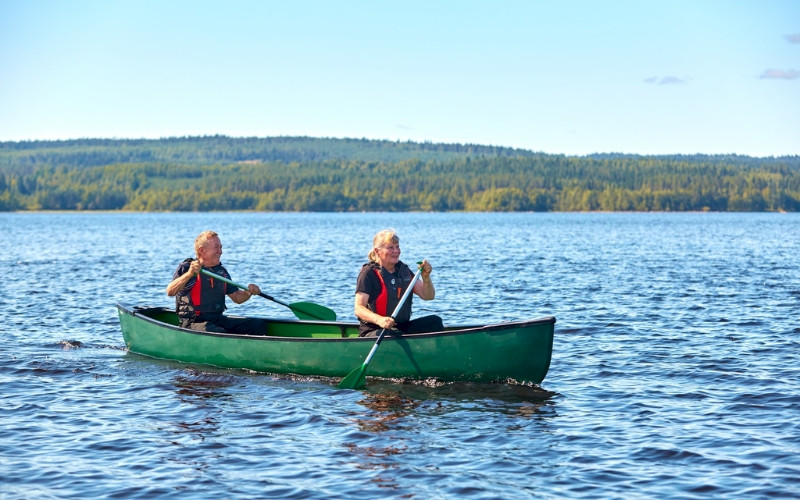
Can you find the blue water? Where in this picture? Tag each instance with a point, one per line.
(675, 372)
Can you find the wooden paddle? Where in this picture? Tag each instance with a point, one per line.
(303, 310)
(355, 379)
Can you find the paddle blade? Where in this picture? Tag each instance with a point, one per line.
(309, 310)
(354, 379)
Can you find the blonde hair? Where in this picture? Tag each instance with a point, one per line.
(201, 240)
(382, 238)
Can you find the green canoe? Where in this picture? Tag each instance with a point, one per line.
(514, 351)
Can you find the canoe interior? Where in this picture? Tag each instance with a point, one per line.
(281, 327)
(277, 327)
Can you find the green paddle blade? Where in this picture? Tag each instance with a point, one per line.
(309, 310)
(354, 379)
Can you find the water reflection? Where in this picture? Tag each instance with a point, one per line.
(403, 425)
(392, 405)
(509, 398)
(387, 408)
(198, 386)
(194, 433)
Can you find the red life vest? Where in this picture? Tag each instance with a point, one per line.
(393, 285)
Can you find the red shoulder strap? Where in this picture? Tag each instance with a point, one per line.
(380, 302)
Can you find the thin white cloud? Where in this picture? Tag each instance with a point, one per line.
(793, 38)
(664, 80)
(780, 74)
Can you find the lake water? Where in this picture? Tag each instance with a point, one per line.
(675, 372)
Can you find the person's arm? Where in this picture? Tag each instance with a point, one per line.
(363, 312)
(240, 296)
(424, 286)
(179, 283)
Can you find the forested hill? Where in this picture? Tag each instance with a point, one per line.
(219, 149)
(317, 174)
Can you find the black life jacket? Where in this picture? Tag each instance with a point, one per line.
(393, 286)
(203, 295)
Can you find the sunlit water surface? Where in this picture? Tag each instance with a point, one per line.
(675, 373)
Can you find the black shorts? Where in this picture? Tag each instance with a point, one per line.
(224, 324)
(425, 324)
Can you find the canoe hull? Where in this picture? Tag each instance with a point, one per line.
(519, 351)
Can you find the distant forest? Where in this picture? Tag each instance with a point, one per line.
(214, 173)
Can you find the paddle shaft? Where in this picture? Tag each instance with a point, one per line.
(303, 310)
(226, 280)
(394, 315)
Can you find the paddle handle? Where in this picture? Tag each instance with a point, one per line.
(226, 280)
(394, 314)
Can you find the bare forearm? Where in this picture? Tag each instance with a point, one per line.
(240, 296)
(365, 314)
(178, 284)
(428, 291)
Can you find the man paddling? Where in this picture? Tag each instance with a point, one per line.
(200, 299)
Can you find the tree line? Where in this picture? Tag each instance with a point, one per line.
(306, 174)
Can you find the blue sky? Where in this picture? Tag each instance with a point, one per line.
(571, 77)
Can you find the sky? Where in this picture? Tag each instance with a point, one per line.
(564, 77)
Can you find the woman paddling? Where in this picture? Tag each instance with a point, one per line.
(380, 286)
